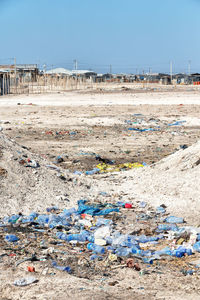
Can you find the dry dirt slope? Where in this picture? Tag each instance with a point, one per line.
(174, 181)
(25, 189)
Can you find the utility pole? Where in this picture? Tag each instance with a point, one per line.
(44, 71)
(110, 69)
(189, 67)
(171, 70)
(75, 64)
(15, 75)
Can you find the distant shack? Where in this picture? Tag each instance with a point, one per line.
(4, 82)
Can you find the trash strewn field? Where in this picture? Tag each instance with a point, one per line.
(100, 201)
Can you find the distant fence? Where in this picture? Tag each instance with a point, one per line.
(47, 83)
(39, 84)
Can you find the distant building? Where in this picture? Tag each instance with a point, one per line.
(181, 78)
(4, 82)
(195, 78)
(27, 73)
(24, 73)
(154, 78)
(59, 72)
(84, 73)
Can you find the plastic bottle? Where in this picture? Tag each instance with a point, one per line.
(164, 251)
(56, 220)
(53, 208)
(145, 253)
(129, 244)
(198, 237)
(148, 260)
(109, 240)
(166, 227)
(174, 220)
(184, 250)
(11, 238)
(120, 204)
(68, 212)
(136, 249)
(33, 214)
(160, 210)
(119, 239)
(96, 257)
(96, 248)
(146, 239)
(92, 172)
(110, 248)
(27, 219)
(196, 246)
(72, 237)
(122, 251)
(142, 204)
(78, 172)
(13, 219)
(42, 219)
(30, 218)
(102, 221)
(61, 236)
(61, 268)
(180, 251)
(177, 253)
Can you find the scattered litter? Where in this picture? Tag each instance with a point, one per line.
(61, 268)
(11, 238)
(25, 281)
(177, 123)
(31, 269)
(142, 130)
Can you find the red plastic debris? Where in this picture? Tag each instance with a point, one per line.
(31, 269)
(128, 205)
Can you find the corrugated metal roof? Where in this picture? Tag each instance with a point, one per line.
(27, 66)
(4, 70)
(59, 71)
(82, 72)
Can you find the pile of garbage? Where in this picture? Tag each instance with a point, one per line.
(153, 124)
(91, 238)
(62, 132)
(104, 168)
(109, 168)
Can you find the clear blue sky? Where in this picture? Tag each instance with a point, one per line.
(127, 34)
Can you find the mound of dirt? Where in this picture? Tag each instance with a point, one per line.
(28, 183)
(173, 181)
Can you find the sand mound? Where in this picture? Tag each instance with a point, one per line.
(25, 189)
(183, 160)
(174, 181)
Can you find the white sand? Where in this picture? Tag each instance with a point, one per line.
(78, 98)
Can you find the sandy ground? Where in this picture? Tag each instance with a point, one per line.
(149, 96)
(45, 124)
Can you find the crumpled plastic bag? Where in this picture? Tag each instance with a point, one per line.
(25, 281)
